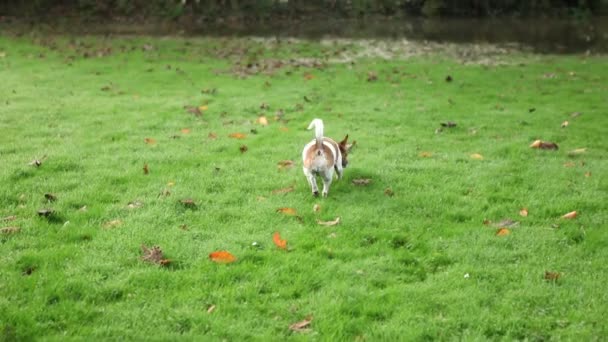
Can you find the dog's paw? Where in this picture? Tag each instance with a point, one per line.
(325, 194)
(315, 193)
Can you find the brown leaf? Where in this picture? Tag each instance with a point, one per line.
(287, 211)
(301, 326)
(264, 106)
(544, 145)
(569, 164)
(243, 148)
(372, 76)
(503, 232)
(9, 230)
(283, 190)
(552, 276)
(329, 223)
(193, 110)
(570, 215)
(587, 174)
(285, 164)
(316, 208)
(308, 76)
(487, 222)
(9, 218)
(212, 136)
(150, 141)
(154, 255)
(237, 135)
(448, 78)
(425, 154)
(389, 192)
(523, 212)
(361, 181)
(112, 223)
(146, 169)
(188, 203)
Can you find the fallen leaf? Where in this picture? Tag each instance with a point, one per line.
(188, 203)
(361, 181)
(570, 215)
(112, 223)
(569, 164)
(135, 205)
(203, 108)
(146, 169)
(389, 192)
(523, 212)
(264, 106)
(329, 223)
(283, 129)
(372, 76)
(193, 110)
(154, 255)
(425, 154)
(543, 145)
(587, 174)
(503, 231)
(476, 156)
(45, 212)
(150, 141)
(222, 257)
(577, 151)
(83, 208)
(487, 222)
(308, 76)
(9, 218)
(287, 211)
(283, 190)
(565, 124)
(552, 276)
(185, 130)
(212, 136)
(506, 223)
(285, 164)
(276, 238)
(448, 78)
(237, 135)
(9, 230)
(262, 120)
(301, 326)
(210, 309)
(575, 114)
(316, 208)
(243, 148)
(448, 124)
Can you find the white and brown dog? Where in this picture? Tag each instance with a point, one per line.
(322, 156)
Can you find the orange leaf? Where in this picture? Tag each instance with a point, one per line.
(222, 257)
(287, 211)
(570, 215)
(150, 141)
(309, 76)
(503, 232)
(523, 212)
(185, 130)
(237, 135)
(276, 238)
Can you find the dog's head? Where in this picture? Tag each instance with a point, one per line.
(345, 148)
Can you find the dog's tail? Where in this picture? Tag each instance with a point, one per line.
(318, 125)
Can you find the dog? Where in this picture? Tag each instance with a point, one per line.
(322, 156)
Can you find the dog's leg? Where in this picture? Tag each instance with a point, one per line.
(312, 181)
(339, 170)
(327, 178)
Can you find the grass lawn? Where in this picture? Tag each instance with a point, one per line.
(416, 255)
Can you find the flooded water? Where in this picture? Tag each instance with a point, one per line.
(538, 35)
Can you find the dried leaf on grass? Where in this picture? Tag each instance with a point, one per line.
(329, 223)
(361, 181)
(283, 190)
(577, 151)
(425, 154)
(237, 135)
(302, 326)
(565, 124)
(112, 223)
(150, 141)
(316, 208)
(570, 215)
(276, 238)
(193, 110)
(506, 223)
(185, 130)
(50, 197)
(243, 148)
(476, 156)
(135, 205)
(212, 136)
(188, 203)
(45, 212)
(9, 230)
(503, 232)
(210, 309)
(544, 145)
(146, 169)
(448, 124)
(9, 218)
(523, 212)
(552, 276)
(262, 121)
(154, 255)
(389, 192)
(287, 211)
(285, 164)
(222, 257)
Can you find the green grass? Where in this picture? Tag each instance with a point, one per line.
(393, 269)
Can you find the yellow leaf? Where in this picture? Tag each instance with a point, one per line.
(237, 135)
(565, 124)
(476, 156)
(203, 108)
(523, 212)
(570, 215)
(503, 232)
(262, 120)
(150, 141)
(329, 223)
(425, 154)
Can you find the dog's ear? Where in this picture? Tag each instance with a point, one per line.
(350, 146)
(344, 141)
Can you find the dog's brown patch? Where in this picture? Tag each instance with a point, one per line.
(312, 154)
